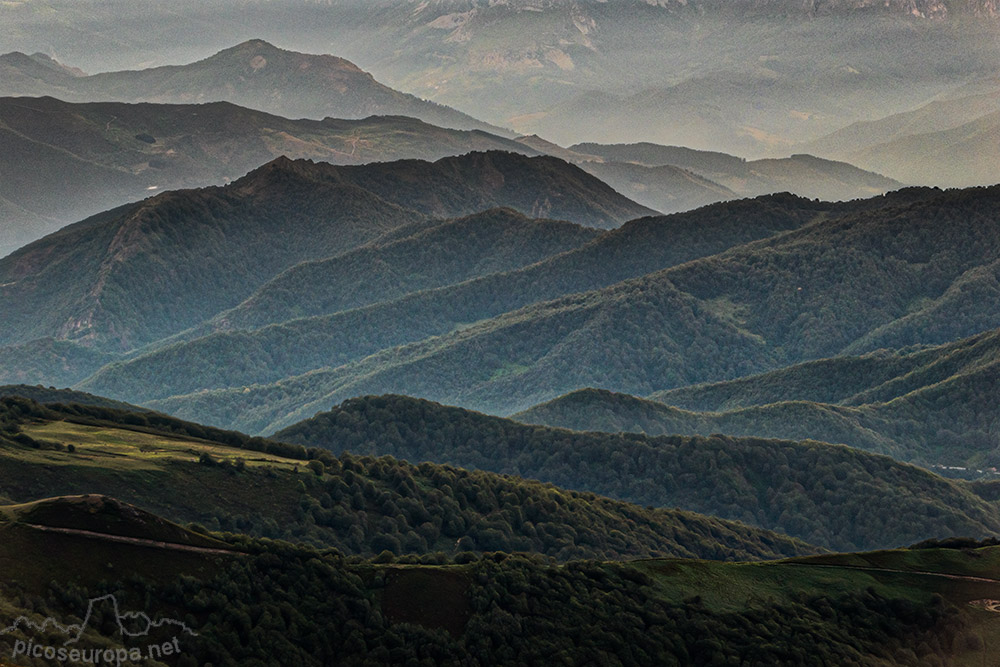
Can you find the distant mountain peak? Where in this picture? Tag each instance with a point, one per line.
(259, 54)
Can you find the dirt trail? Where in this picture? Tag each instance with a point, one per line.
(961, 577)
(133, 540)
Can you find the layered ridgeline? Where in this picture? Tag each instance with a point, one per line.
(236, 357)
(847, 284)
(834, 496)
(135, 274)
(62, 162)
(243, 600)
(949, 141)
(356, 504)
(253, 74)
(644, 164)
(933, 406)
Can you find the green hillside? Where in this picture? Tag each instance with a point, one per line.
(50, 362)
(101, 282)
(47, 395)
(931, 406)
(878, 376)
(357, 504)
(838, 497)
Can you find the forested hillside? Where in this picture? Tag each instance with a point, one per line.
(267, 600)
(638, 247)
(401, 263)
(829, 495)
(356, 504)
(932, 405)
(814, 292)
(101, 281)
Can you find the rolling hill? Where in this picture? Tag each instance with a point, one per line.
(495, 241)
(295, 347)
(834, 496)
(62, 162)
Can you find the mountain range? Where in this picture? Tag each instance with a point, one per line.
(929, 405)
(63, 162)
(546, 67)
(676, 371)
(644, 164)
(253, 74)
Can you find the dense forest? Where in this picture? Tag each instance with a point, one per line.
(834, 496)
(282, 604)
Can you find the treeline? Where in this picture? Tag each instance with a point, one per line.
(833, 496)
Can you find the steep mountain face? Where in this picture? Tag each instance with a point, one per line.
(254, 74)
(134, 275)
(62, 162)
(781, 485)
(806, 294)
